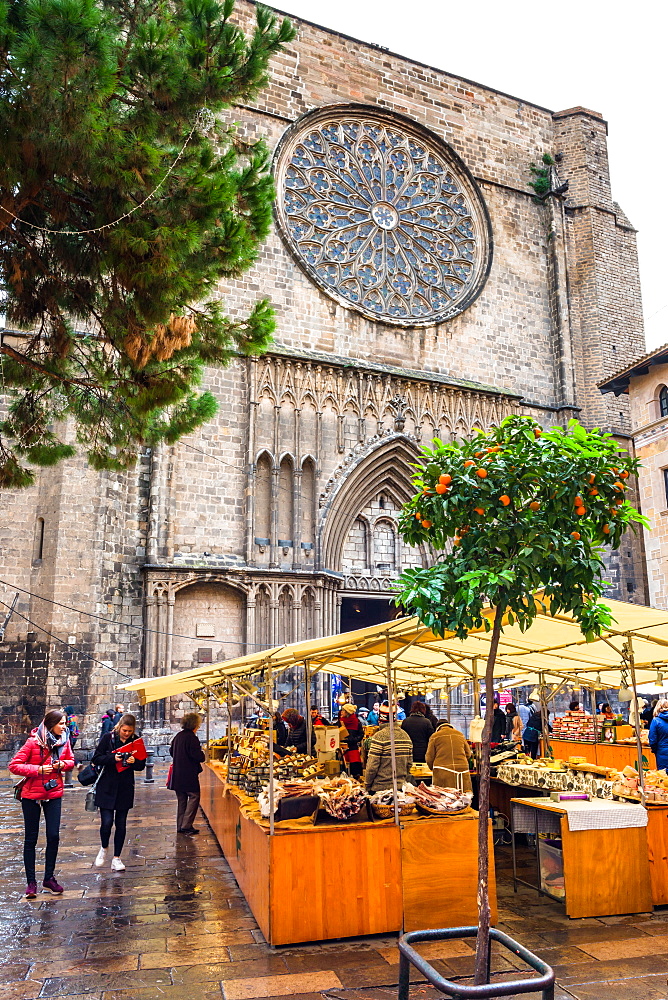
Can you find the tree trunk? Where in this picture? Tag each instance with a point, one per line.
(482, 945)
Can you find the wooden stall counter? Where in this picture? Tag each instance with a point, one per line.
(617, 755)
(605, 871)
(386, 869)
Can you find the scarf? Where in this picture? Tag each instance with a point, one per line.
(52, 744)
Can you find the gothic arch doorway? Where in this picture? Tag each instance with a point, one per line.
(359, 526)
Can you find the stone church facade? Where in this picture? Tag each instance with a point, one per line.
(421, 290)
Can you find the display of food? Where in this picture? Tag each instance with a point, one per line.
(439, 800)
(576, 726)
(284, 790)
(342, 797)
(382, 803)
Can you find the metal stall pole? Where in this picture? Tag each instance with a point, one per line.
(309, 721)
(547, 749)
(447, 695)
(393, 748)
(269, 689)
(229, 726)
(632, 664)
(476, 686)
(208, 725)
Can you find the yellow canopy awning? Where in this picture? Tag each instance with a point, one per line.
(553, 647)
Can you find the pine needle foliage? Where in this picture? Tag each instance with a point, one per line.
(96, 100)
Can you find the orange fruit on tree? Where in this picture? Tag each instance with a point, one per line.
(534, 505)
(426, 524)
(537, 432)
(418, 515)
(456, 541)
(445, 479)
(442, 488)
(606, 529)
(482, 473)
(593, 493)
(468, 463)
(505, 499)
(578, 502)
(576, 535)
(591, 478)
(623, 475)
(580, 511)
(620, 486)
(478, 454)
(479, 510)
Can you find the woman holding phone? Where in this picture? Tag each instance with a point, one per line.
(41, 762)
(115, 789)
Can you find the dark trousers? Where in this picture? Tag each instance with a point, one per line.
(186, 809)
(107, 819)
(531, 749)
(32, 809)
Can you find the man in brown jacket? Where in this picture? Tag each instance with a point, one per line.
(448, 755)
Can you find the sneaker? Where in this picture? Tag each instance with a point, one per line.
(31, 890)
(190, 830)
(117, 865)
(52, 886)
(101, 857)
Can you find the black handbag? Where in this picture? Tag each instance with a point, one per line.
(87, 775)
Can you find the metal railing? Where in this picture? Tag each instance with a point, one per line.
(543, 984)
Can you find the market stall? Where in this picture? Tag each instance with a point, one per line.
(399, 654)
(590, 855)
(366, 877)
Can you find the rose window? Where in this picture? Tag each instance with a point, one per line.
(382, 215)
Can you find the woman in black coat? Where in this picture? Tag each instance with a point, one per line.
(115, 790)
(187, 757)
(420, 730)
(296, 730)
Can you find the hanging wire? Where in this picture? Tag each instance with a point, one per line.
(204, 122)
(76, 649)
(114, 621)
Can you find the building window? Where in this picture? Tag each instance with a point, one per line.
(38, 540)
(382, 216)
(663, 402)
(665, 484)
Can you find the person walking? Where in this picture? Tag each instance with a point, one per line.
(448, 755)
(378, 772)
(115, 790)
(533, 732)
(420, 730)
(187, 757)
(430, 717)
(498, 724)
(658, 733)
(71, 719)
(354, 730)
(42, 760)
(514, 725)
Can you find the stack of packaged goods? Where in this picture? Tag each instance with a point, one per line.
(577, 726)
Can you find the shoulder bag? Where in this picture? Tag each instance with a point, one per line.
(87, 775)
(17, 788)
(91, 804)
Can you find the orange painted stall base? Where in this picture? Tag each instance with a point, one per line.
(391, 865)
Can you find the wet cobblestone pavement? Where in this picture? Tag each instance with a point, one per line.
(175, 925)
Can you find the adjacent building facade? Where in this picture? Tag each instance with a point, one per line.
(421, 290)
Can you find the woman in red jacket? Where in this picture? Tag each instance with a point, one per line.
(42, 760)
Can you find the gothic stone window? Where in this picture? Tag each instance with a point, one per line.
(382, 215)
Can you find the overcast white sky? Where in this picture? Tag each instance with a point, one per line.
(609, 57)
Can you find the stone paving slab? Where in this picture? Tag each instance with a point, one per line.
(175, 926)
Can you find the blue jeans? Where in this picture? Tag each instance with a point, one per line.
(31, 815)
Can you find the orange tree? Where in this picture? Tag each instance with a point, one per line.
(514, 512)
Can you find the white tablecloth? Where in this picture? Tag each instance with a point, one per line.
(600, 814)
